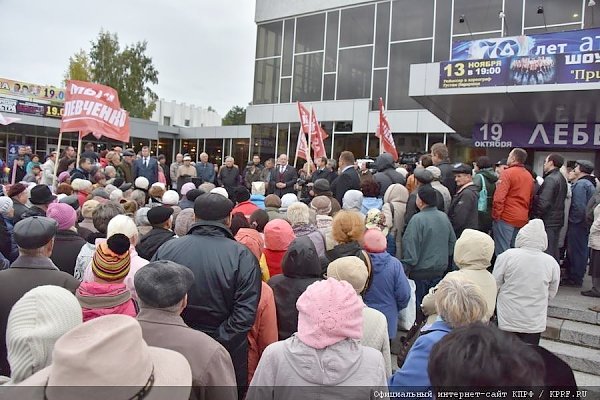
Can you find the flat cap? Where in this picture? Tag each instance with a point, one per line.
(423, 176)
(128, 153)
(71, 200)
(585, 166)
(321, 185)
(101, 192)
(162, 284)
(462, 168)
(34, 232)
(158, 215)
(212, 207)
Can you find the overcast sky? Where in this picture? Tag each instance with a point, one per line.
(202, 49)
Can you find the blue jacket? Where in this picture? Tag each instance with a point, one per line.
(389, 291)
(583, 190)
(369, 203)
(413, 376)
(258, 200)
(206, 172)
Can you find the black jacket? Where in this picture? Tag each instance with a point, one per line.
(463, 210)
(150, 242)
(229, 178)
(301, 268)
(447, 178)
(549, 201)
(79, 173)
(20, 174)
(223, 300)
(325, 173)
(386, 173)
(348, 180)
(412, 209)
(67, 245)
(20, 209)
(289, 177)
(33, 211)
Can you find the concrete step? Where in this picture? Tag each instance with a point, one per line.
(581, 359)
(574, 332)
(589, 383)
(570, 304)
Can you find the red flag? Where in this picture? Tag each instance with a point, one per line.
(302, 147)
(8, 120)
(314, 130)
(91, 107)
(384, 133)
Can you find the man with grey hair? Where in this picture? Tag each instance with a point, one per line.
(35, 238)
(205, 170)
(284, 177)
(162, 288)
(174, 168)
(224, 298)
(229, 176)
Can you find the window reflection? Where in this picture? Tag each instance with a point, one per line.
(310, 31)
(402, 55)
(308, 69)
(481, 16)
(555, 12)
(266, 81)
(412, 19)
(357, 26)
(354, 73)
(268, 40)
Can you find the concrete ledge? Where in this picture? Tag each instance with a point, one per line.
(588, 382)
(581, 315)
(579, 358)
(580, 333)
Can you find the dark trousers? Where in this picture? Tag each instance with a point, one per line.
(553, 232)
(421, 289)
(529, 338)
(577, 237)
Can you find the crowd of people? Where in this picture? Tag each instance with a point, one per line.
(123, 272)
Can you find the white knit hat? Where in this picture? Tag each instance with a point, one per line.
(81, 184)
(288, 199)
(141, 183)
(34, 324)
(5, 205)
(116, 195)
(170, 198)
(160, 185)
(221, 191)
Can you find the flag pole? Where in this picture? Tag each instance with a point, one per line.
(54, 177)
(79, 148)
(299, 133)
(380, 126)
(309, 143)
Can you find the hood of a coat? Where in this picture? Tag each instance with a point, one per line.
(589, 178)
(301, 259)
(473, 250)
(329, 366)
(532, 236)
(384, 161)
(396, 193)
(353, 200)
(489, 175)
(92, 289)
(278, 235)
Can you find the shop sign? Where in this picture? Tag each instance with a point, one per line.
(570, 136)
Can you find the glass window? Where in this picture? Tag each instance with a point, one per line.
(268, 40)
(373, 145)
(379, 87)
(263, 140)
(555, 12)
(189, 147)
(382, 35)
(286, 90)
(214, 149)
(332, 41)
(308, 70)
(442, 30)
(356, 143)
(357, 26)
(310, 32)
(412, 19)
(167, 121)
(561, 28)
(239, 151)
(402, 55)
(294, 130)
(480, 16)
(282, 138)
(328, 126)
(186, 122)
(288, 48)
(354, 73)
(266, 81)
(329, 87)
(343, 126)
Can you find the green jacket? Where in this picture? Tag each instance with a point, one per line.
(427, 244)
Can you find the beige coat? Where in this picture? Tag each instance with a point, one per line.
(213, 376)
(189, 170)
(394, 209)
(472, 255)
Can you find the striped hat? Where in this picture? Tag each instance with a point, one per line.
(111, 260)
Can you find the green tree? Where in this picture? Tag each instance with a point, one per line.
(79, 67)
(129, 71)
(235, 116)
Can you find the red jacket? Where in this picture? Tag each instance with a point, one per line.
(245, 207)
(513, 196)
(264, 331)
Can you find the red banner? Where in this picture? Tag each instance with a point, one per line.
(316, 133)
(384, 133)
(302, 148)
(90, 107)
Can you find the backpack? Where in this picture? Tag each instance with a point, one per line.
(482, 203)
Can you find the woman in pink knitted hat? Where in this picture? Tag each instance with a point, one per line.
(324, 358)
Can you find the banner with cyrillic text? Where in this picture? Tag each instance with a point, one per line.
(577, 41)
(90, 107)
(541, 135)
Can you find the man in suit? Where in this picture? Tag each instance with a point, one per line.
(348, 178)
(146, 167)
(323, 171)
(283, 177)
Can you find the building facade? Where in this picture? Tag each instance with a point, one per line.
(341, 56)
(171, 113)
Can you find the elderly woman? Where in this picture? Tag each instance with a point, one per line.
(347, 230)
(458, 302)
(82, 188)
(298, 214)
(321, 357)
(141, 220)
(67, 242)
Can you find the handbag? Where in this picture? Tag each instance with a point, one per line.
(482, 203)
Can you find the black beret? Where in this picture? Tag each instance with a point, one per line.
(212, 207)
(34, 232)
(162, 284)
(193, 194)
(158, 215)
